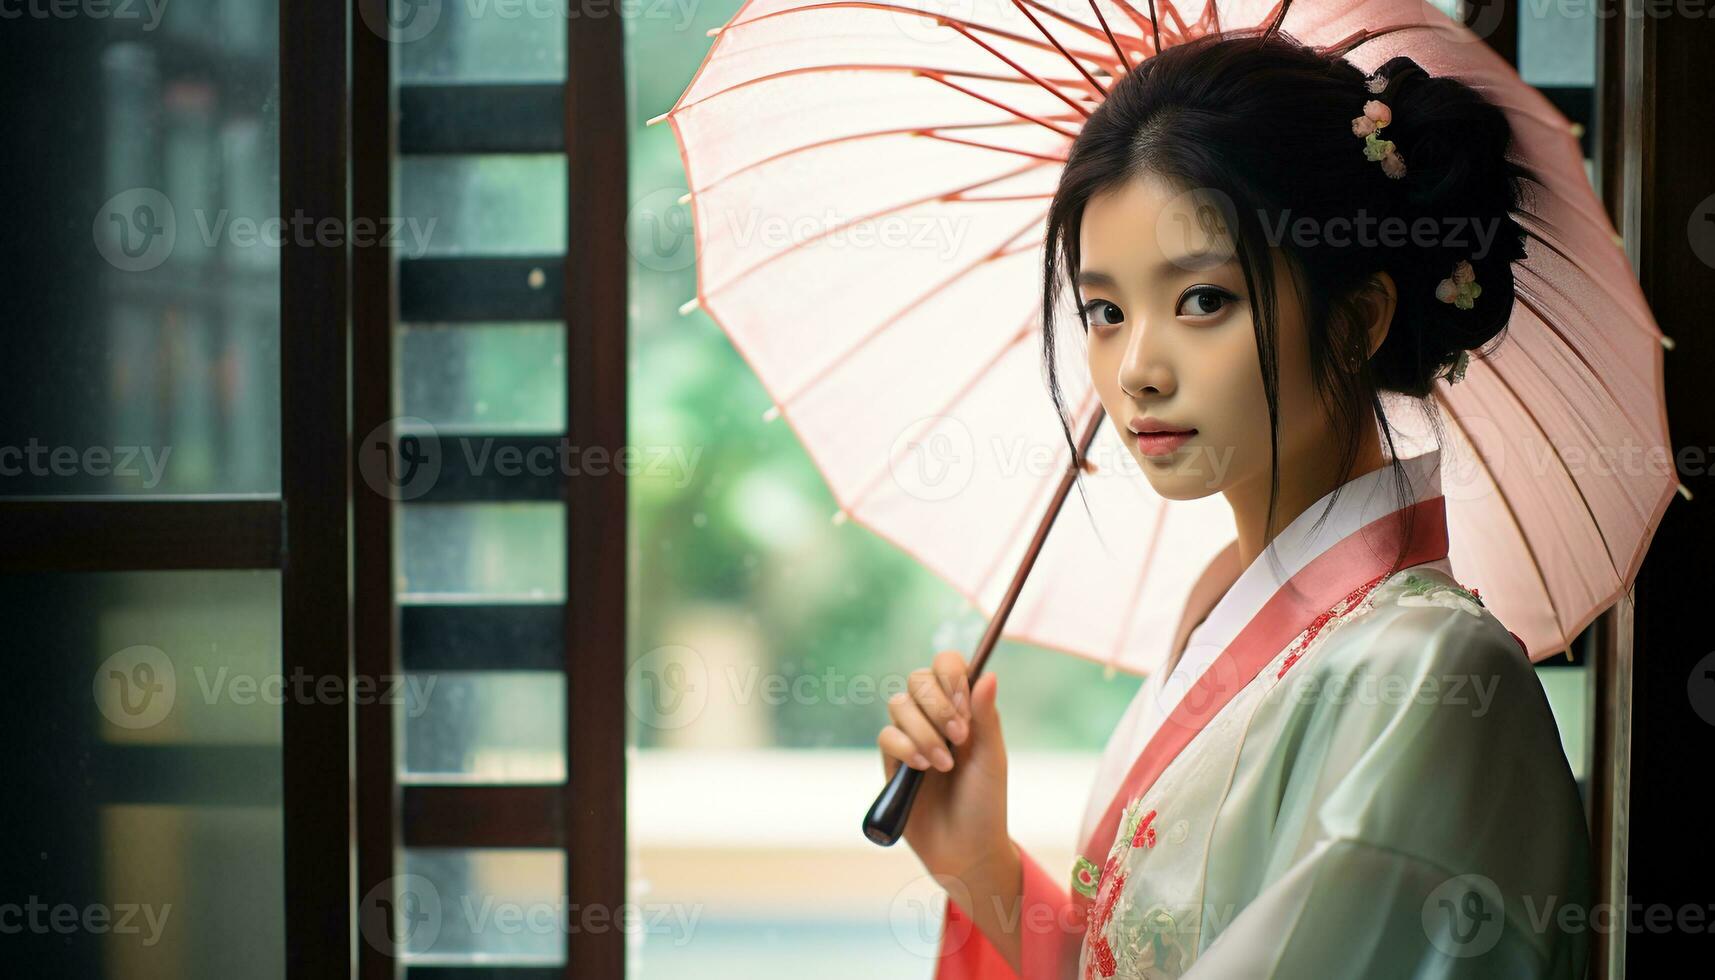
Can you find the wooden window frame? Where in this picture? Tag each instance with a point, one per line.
(585, 815)
(330, 537)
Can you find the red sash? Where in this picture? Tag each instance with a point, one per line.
(1353, 565)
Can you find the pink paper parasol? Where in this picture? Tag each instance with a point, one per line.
(868, 183)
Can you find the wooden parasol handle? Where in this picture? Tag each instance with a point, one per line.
(884, 824)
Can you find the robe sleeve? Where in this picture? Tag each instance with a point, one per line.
(1427, 823)
(1049, 938)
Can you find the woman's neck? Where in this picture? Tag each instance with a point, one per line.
(1303, 482)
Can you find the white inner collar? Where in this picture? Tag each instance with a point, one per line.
(1363, 499)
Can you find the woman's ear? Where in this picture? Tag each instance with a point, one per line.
(1384, 299)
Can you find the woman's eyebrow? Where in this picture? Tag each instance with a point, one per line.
(1197, 262)
(1097, 278)
(1168, 268)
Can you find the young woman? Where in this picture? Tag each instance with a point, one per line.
(1350, 768)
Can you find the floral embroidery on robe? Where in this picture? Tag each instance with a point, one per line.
(1421, 590)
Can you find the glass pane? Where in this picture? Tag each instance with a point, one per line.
(486, 377)
(1568, 690)
(489, 551)
(485, 727)
(142, 721)
(1557, 43)
(497, 41)
(485, 905)
(485, 205)
(149, 287)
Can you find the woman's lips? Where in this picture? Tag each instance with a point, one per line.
(1162, 443)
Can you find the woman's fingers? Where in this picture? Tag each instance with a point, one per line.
(927, 687)
(908, 715)
(934, 709)
(897, 747)
(954, 677)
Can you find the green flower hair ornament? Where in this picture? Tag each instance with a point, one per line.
(1460, 288)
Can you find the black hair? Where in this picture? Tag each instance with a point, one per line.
(1266, 124)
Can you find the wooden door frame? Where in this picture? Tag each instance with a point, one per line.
(1654, 140)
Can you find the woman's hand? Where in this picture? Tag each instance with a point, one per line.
(958, 822)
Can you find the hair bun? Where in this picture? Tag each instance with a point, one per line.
(1461, 180)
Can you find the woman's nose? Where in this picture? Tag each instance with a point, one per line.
(1143, 369)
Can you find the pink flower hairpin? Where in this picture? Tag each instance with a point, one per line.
(1369, 125)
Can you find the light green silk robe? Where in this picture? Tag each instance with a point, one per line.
(1383, 794)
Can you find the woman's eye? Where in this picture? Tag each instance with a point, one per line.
(1204, 301)
(1102, 308)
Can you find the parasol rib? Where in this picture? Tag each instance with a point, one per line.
(1031, 552)
(854, 66)
(894, 8)
(1540, 233)
(836, 226)
(942, 409)
(1531, 303)
(932, 132)
(1025, 10)
(937, 76)
(1053, 90)
(1535, 563)
(888, 323)
(1536, 423)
